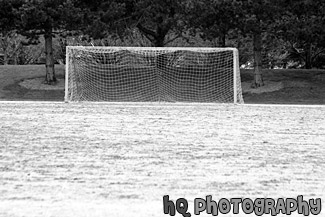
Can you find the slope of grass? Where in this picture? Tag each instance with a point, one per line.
(299, 86)
(12, 75)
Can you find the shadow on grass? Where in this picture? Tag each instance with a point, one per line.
(15, 92)
(300, 87)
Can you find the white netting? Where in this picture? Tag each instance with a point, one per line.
(137, 74)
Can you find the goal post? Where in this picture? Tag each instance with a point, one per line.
(152, 74)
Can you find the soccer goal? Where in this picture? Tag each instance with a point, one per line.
(151, 74)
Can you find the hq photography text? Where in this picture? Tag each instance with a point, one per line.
(258, 206)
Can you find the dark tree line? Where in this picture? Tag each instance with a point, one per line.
(298, 23)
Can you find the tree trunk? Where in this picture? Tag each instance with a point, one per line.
(14, 59)
(257, 43)
(4, 45)
(308, 63)
(5, 58)
(222, 40)
(5, 55)
(156, 38)
(49, 63)
(159, 41)
(159, 38)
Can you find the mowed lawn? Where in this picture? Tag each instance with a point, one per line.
(92, 159)
(298, 86)
(104, 160)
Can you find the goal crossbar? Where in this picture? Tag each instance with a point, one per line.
(200, 49)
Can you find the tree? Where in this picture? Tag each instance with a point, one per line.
(8, 24)
(224, 19)
(216, 19)
(157, 19)
(8, 14)
(301, 25)
(47, 18)
(260, 18)
(103, 18)
(11, 44)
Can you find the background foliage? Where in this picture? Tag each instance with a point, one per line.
(292, 31)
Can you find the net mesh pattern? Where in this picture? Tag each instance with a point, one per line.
(120, 74)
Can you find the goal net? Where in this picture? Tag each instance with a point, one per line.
(142, 74)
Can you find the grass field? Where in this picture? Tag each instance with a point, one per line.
(92, 159)
(112, 160)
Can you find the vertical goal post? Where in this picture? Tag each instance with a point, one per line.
(152, 74)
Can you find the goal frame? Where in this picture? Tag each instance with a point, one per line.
(236, 68)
